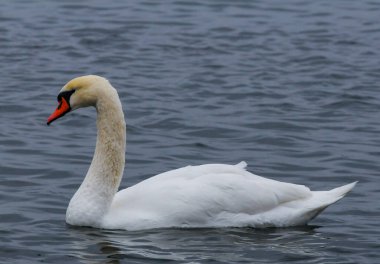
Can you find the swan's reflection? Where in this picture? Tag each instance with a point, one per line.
(224, 245)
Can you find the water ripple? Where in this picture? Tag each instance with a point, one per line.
(291, 87)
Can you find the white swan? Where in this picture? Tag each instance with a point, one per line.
(212, 195)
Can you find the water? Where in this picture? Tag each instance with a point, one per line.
(291, 87)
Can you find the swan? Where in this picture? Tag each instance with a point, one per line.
(211, 195)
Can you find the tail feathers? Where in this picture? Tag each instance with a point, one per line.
(341, 191)
(322, 199)
(325, 198)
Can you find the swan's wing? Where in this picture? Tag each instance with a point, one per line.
(193, 195)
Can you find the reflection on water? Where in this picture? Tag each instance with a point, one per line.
(180, 244)
(289, 87)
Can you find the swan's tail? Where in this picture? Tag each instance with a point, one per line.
(338, 193)
(322, 199)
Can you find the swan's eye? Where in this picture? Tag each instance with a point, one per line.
(66, 95)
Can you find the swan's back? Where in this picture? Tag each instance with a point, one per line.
(214, 195)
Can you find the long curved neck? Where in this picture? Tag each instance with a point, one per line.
(109, 157)
(94, 197)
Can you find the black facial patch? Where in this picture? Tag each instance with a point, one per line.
(66, 95)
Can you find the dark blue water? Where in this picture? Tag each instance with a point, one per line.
(291, 87)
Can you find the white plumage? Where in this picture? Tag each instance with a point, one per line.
(212, 195)
(216, 195)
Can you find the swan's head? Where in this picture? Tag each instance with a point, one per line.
(79, 92)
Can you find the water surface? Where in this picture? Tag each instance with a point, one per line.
(291, 87)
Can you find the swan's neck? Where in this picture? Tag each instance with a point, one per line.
(94, 197)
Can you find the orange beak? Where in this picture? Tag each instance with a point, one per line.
(61, 110)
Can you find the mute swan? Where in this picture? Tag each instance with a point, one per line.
(212, 195)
